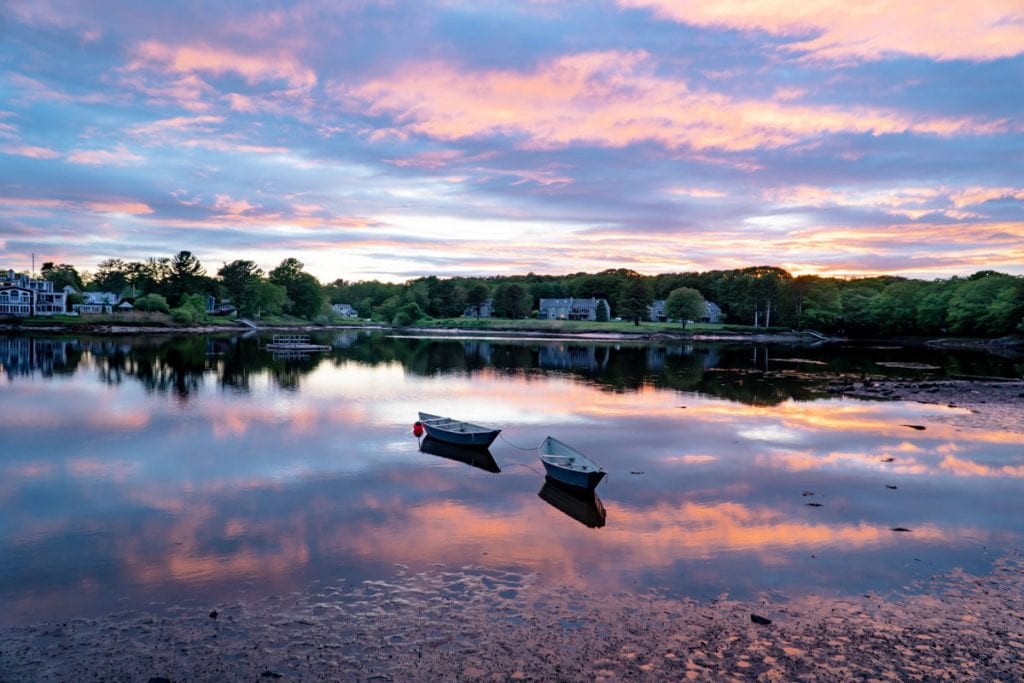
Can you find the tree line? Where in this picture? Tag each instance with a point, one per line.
(987, 303)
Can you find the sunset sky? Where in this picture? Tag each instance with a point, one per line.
(391, 140)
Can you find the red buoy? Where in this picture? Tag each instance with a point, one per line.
(417, 429)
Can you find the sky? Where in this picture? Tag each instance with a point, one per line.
(376, 139)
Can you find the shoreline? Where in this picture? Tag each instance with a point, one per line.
(1012, 345)
(502, 625)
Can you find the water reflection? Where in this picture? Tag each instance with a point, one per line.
(476, 457)
(582, 505)
(204, 469)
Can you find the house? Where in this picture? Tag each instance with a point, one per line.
(486, 310)
(657, 314)
(96, 303)
(571, 309)
(22, 295)
(344, 310)
(712, 313)
(656, 311)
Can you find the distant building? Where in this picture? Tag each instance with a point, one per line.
(344, 311)
(96, 303)
(712, 313)
(571, 309)
(656, 311)
(486, 310)
(21, 295)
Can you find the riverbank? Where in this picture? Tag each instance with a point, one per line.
(478, 624)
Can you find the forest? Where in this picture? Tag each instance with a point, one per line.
(985, 304)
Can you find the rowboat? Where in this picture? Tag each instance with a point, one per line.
(583, 505)
(457, 432)
(477, 457)
(568, 466)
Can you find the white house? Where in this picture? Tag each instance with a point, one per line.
(22, 295)
(571, 309)
(344, 310)
(96, 303)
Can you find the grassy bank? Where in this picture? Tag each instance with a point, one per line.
(583, 326)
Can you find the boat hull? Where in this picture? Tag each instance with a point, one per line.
(458, 433)
(581, 480)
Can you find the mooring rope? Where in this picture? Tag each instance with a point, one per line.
(530, 448)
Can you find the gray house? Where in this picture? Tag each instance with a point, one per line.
(712, 313)
(571, 309)
(656, 311)
(486, 310)
(344, 310)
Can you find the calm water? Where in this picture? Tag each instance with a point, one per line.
(144, 472)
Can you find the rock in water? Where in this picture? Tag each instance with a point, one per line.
(213, 614)
(900, 528)
(758, 619)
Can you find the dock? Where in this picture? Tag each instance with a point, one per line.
(295, 342)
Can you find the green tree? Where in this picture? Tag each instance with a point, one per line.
(241, 280)
(512, 301)
(684, 304)
(152, 302)
(110, 276)
(634, 300)
(987, 305)
(185, 276)
(266, 298)
(601, 312)
(305, 295)
(62, 275)
(408, 314)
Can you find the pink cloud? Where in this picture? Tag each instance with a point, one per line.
(102, 157)
(30, 151)
(232, 207)
(177, 123)
(613, 99)
(217, 61)
(128, 207)
(873, 30)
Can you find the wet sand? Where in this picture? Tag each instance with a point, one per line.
(994, 405)
(473, 624)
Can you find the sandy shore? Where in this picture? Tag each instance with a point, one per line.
(996, 405)
(472, 624)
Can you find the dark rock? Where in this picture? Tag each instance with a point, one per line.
(159, 679)
(757, 619)
(213, 614)
(813, 505)
(807, 493)
(900, 528)
(271, 674)
(919, 428)
(891, 486)
(888, 459)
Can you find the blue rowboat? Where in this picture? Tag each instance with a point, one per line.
(457, 432)
(567, 465)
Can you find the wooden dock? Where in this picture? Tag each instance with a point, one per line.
(294, 342)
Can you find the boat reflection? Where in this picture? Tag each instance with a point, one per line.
(470, 456)
(582, 505)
